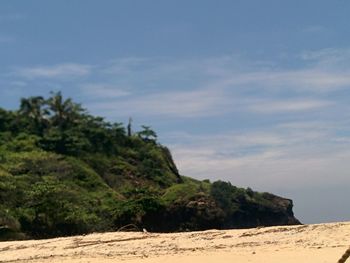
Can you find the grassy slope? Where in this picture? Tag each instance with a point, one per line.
(45, 194)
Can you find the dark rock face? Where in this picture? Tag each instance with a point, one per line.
(284, 207)
(253, 215)
(204, 213)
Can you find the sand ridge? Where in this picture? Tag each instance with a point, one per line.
(304, 243)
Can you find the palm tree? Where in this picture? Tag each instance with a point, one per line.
(147, 134)
(33, 108)
(118, 128)
(65, 111)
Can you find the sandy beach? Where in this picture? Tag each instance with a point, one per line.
(305, 243)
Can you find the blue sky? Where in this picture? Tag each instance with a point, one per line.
(254, 92)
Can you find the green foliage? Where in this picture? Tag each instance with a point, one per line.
(9, 226)
(6, 120)
(65, 172)
(59, 209)
(36, 163)
(21, 143)
(227, 196)
(181, 192)
(147, 134)
(133, 211)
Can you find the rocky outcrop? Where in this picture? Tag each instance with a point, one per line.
(203, 212)
(278, 211)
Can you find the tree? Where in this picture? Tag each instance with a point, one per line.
(33, 108)
(129, 126)
(118, 131)
(7, 120)
(65, 111)
(147, 134)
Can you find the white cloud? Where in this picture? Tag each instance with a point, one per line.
(126, 65)
(282, 106)
(6, 39)
(331, 60)
(211, 87)
(326, 54)
(222, 86)
(65, 70)
(286, 156)
(11, 17)
(101, 90)
(193, 104)
(184, 104)
(200, 88)
(306, 80)
(314, 29)
(18, 83)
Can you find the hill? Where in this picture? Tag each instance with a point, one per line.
(66, 172)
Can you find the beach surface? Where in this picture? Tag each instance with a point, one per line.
(304, 243)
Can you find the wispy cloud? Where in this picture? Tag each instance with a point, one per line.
(66, 70)
(103, 91)
(6, 39)
(287, 105)
(326, 72)
(127, 65)
(305, 80)
(332, 60)
(215, 86)
(326, 54)
(284, 156)
(18, 83)
(184, 104)
(198, 88)
(11, 17)
(314, 29)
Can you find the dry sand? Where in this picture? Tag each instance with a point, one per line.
(306, 243)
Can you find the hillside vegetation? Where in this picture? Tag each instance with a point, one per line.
(66, 172)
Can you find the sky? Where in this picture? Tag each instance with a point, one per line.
(247, 91)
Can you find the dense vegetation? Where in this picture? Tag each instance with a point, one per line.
(65, 172)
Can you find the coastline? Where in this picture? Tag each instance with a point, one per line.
(303, 243)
